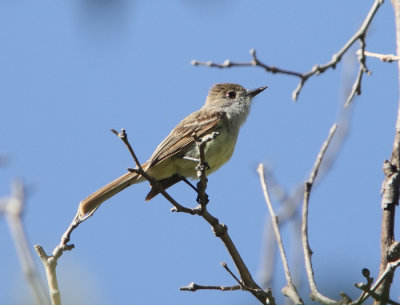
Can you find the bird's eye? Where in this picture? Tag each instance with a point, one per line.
(231, 94)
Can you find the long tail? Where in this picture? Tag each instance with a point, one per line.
(90, 203)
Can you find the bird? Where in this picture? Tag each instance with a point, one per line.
(225, 110)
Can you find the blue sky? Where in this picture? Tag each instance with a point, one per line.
(72, 70)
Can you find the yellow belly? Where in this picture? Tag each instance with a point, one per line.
(217, 152)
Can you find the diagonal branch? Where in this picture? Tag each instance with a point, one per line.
(220, 230)
(370, 290)
(50, 261)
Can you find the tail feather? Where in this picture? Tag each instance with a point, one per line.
(165, 183)
(93, 201)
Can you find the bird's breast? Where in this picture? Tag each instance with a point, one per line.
(219, 150)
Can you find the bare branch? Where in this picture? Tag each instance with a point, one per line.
(369, 289)
(13, 208)
(202, 167)
(289, 202)
(315, 294)
(154, 182)
(220, 230)
(317, 69)
(124, 137)
(366, 273)
(356, 89)
(390, 196)
(383, 57)
(290, 290)
(376, 296)
(390, 267)
(194, 287)
(157, 185)
(50, 262)
(254, 63)
(225, 266)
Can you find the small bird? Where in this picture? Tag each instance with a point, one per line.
(225, 110)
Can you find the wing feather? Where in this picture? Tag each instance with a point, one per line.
(181, 136)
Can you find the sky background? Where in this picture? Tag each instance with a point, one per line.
(72, 70)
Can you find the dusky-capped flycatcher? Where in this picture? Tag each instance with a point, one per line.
(225, 110)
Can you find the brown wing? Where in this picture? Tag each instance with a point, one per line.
(181, 136)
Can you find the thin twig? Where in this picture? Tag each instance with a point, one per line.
(154, 182)
(194, 287)
(157, 185)
(317, 69)
(124, 137)
(356, 89)
(225, 266)
(255, 63)
(376, 296)
(383, 57)
(290, 289)
(366, 273)
(390, 267)
(50, 261)
(315, 294)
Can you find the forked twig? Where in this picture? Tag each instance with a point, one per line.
(50, 261)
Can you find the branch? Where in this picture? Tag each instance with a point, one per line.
(376, 296)
(369, 289)
(194, 287)
(202, 167)
(390, 268)
(124, 137)
(366, 273)
(289, 203)
(220, 230)
(154, 182)
(289, 290)
(383, 57)
(254, 63)
(317, 69)
(50, 261)
(356, 89)
(13, 208)
(390, 195)
(315, 294)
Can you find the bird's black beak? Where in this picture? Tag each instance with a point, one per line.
(253, 93)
